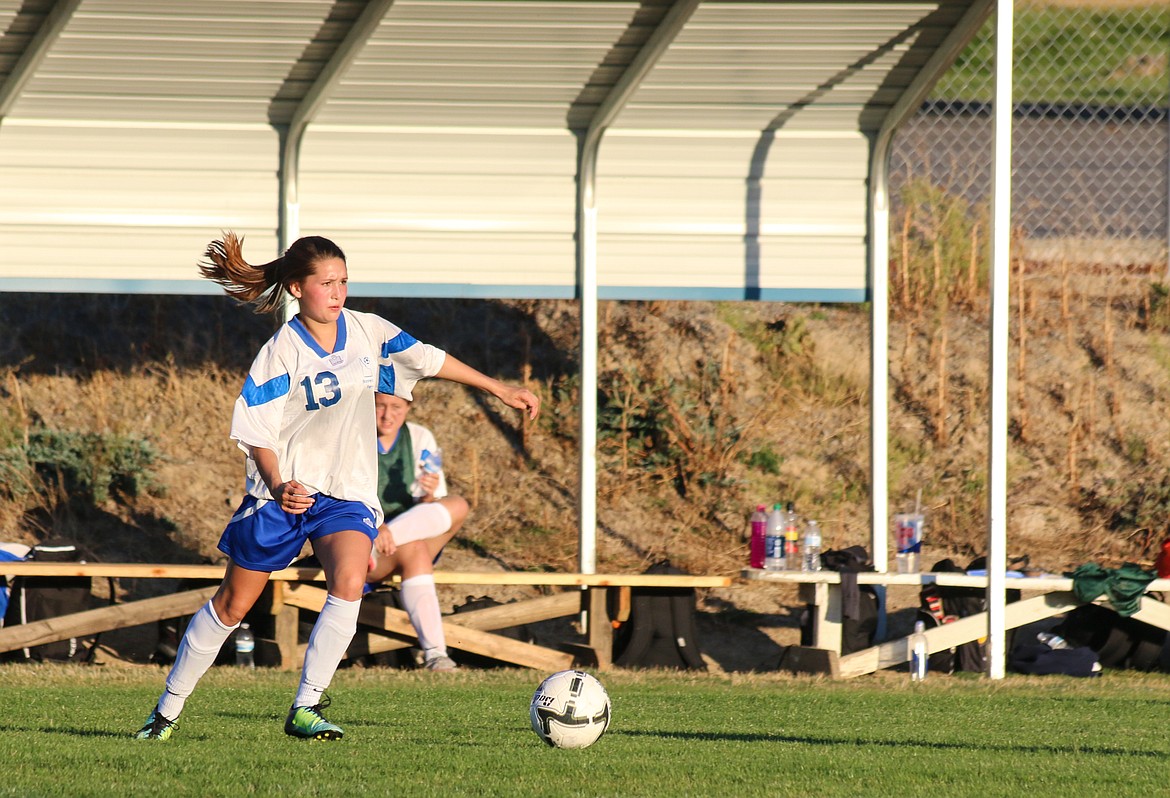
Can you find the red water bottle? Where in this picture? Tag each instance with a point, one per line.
(1162, 564)
(759, 530)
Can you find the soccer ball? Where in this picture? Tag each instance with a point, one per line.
(570, 710)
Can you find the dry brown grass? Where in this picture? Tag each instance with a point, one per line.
(1094, 402)
(1103, 4)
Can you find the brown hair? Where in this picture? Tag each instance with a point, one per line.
(263, 286)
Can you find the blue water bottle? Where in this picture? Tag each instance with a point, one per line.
(432, 462)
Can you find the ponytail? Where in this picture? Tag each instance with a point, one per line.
(263, 286)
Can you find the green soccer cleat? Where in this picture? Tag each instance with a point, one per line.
(158, 727)
(308, 723)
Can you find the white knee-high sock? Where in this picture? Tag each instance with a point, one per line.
(202, 641)
(330, 638)
(422, 605)
(421, 522)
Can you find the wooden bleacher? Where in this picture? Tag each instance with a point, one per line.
(295, 588)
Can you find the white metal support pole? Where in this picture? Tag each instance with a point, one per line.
(879, 267)
(587, 534)
(1001, 201)
(292, 135)
(879, 379)
(656, 44)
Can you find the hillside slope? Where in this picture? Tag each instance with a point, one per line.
(707, 409)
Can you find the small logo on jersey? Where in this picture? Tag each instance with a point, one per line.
(367, 371)
(336, 360)
(368, 523)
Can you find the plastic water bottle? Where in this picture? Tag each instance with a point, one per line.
(810, 559)
(245, 647)
(774, 540)
(432, 462)
(759, 533)
(791, 539)
(1052, 640)
(919, 652)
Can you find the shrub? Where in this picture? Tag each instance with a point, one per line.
(86, 466)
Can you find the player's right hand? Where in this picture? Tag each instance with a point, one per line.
(384, 543)
(293, 497)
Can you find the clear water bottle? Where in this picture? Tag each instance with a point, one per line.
(774, 539)
(759, 533)
(432, 462)
(245, 647)
(791, 539)
(1052, 640)
(810, 559)
(919, 652)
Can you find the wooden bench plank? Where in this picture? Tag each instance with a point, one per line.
(141, 570)
(532, 578)
(517, 613)
(461, 637)
(91, 622)
(805, 659)
(592, 597)
(488, 619)
(949, 635)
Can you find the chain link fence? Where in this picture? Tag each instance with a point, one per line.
(1091, 131)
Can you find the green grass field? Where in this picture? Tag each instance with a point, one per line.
(67, 731)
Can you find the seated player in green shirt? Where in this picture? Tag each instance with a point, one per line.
(420, 520)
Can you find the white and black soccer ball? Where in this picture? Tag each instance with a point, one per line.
(570, 710)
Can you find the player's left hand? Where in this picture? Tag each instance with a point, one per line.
(521, 399)
(429, 483)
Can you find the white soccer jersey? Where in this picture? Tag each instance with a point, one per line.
(315, 409)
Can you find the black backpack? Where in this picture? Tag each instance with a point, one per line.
(859, 619)
(939, 605)
(49, 597)
(1120, 642)
(660, 632)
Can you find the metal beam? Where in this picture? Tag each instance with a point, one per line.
(38, 48)
(318, 94)
(656, 44)
(879, 264)
(1001, 223)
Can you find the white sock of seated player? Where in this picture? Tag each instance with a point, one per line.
(201, 643)
(422, 605)
(421, 522)
(328, 641)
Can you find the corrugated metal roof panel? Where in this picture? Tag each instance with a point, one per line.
(446, 208)
(482, 63)
(160, 194)
(715, 264)
(768, 201)
(445, 155)
(18, 23)
(783, 61)
(185, 61)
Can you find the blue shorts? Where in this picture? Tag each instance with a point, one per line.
(263, 537)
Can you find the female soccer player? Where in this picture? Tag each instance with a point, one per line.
(305, 420)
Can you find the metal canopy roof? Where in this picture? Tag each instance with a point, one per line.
(440, 142)
(453, 149)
